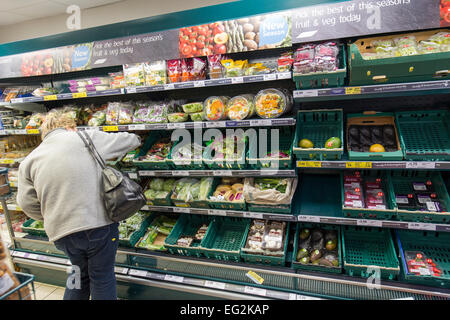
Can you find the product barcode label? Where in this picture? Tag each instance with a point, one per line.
(172, 278)
(255, 291)
(420, 165)
(138, 273)
(237, 80)
(214, 284)
(371, 223)
(198, 84)
(421, 226)
(431, 206)
(270, 76)
(308, 218)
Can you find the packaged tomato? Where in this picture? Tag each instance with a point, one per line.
(174, 70)
(186, 68)
(198, 69)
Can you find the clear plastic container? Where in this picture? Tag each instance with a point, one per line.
(272, 103)
(240, 107)
(215, 108)
(177, 117)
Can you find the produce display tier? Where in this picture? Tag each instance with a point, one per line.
(217, 173)
(374, 91)
(279, 282)
(166, 87)
(301, 215)
(376, 165)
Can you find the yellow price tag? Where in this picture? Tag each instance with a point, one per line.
(32, 131)
(254, 276)
(18, 208)
(79, 95)
(110, 128)
(359, 165)
(149, 203)
(12, 184)
(50, 97)
(309, 164)
(6, 161)
(353, 90)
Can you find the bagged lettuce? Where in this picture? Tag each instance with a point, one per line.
(157, 184)
(168, 184)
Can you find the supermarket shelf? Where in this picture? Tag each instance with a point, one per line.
(221, 173)
(166, 87)
(228, 213)
(11, 161)
(377, 165)
(374, 91)
(228, 276)
(12, 207)
(24, 106)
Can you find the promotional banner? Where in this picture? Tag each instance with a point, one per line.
(135, 49)
(244, 34)
(364, 17)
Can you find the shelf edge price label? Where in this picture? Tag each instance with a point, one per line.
(169, 277)
(181, 210)
(77, 95)
(169, 86)
(6, 161)
(308, 218)
(131, 90)
(213, 212)
(199, 83)
(214, 284)
(309, 164)
(32, 131)
(255, 291)
(353, 90)
(254, 277)
(358, 164)
(180, 173)
(132, 175)
(420, 165)
(136, 127)
(222, 173)
(139, 273)
(50, 97)
(371, 223)
(235, 80)
(146, 173)
(253, 215)
(284, 75)
(421, 226)
(270, 76)
(110, 128)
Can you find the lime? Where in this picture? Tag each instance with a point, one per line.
(306, 143)
(333, 143)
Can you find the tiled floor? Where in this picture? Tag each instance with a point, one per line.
(48, 292)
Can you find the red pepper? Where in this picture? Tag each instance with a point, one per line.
(186, 50)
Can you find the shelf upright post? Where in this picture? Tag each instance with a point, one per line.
(8, 222)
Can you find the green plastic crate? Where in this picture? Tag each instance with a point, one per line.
(150, 165)
(221, 165)
(267, 259)
(402, 184)
(276, 208)
(205, 203)
(225, 238)
(167, 201)
(365, 247)
(225, 205)
(137, 236)
(326, 79)
(187, 225)
(284, 144)
(363, 213)
(425, 135)
(33, 231)
(366, 156)
(318, 126)
(189, 164)
(310, 267)
(435, 245)
(134, 237)
(422, 67)
(194, 204)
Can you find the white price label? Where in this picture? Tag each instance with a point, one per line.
(213, 212)
(180, 173)
(292, 296)
(198, 84)
(33, 256)
(270, 76)
(147, 173)
(124, 270)
(284, 75)
(17, 100)
(370, 223)
(309, 218)
(255, 291)
(420, 165)
(136, 127)
(214, 124)
(138, 273)
(214, 284)
(3, 132)
(421, 226)
(306, 93)
(222, 172)
(133, 175)
(20, 254)
(237, 80)
(181, 210)
(260, 123)
(302, 297)
(408, 298)
(198, 125)
(253, 215)
(169, 86)
(131, 90)
(172, 278)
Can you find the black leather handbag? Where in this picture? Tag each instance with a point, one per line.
(122, 196)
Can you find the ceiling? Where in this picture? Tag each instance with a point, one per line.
(16, 11)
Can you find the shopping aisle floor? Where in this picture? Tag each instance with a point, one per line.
(48, 292)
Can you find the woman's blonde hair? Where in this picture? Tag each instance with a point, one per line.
(56, 119)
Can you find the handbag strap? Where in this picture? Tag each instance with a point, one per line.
(90, 146)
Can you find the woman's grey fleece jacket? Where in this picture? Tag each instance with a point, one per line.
(59, 181)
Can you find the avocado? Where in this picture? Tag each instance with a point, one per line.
(301, 254)
(315, 255)
(304, 234)
(331, 245)
(304, 260)
(315, 262)
(333, 143)
(306, 143)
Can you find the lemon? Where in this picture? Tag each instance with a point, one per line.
(306, 143)
(376, 148)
